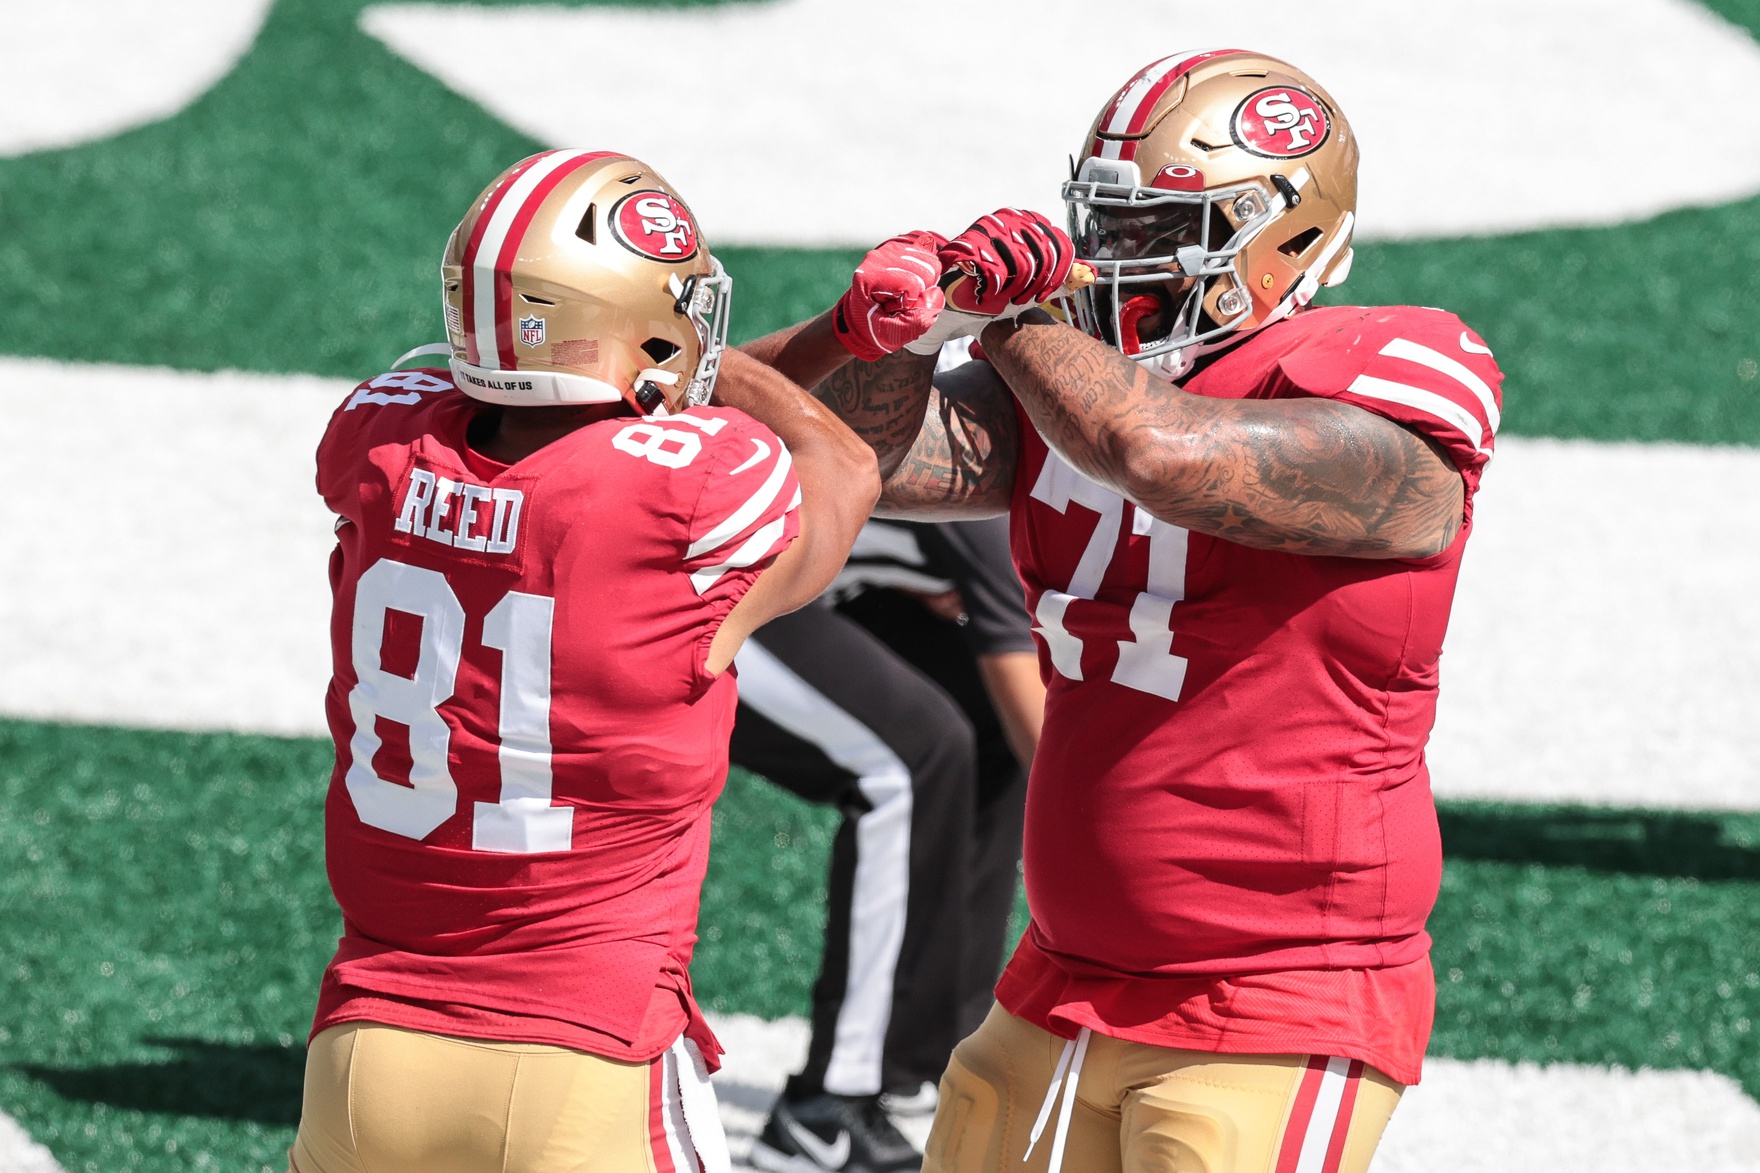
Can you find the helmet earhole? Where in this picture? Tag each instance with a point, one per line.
(1300, 243)
(659, 349)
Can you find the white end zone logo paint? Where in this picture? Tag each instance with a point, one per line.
(655, 225)
(1281, 122)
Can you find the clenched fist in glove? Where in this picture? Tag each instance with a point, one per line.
(1013, 260)
(893, 297)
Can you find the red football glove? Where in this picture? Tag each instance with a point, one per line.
(1013, 257)
(893, 297)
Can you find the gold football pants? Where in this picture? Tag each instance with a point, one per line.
(1144, 1109)
(400, 1101)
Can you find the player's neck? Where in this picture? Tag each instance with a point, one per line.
(510, 434)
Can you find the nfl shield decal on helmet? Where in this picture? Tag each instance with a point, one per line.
(655, 225)
(1281, 122)
(531, 331)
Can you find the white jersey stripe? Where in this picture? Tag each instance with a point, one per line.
(747, 513)
(1428, 402)
(489, 248)
(754, 548)
(1410, 351)
(1324, 1120)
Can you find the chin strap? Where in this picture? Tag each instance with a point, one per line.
(423, 351)
(1172, 365)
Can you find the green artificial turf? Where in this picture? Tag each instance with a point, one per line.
(292, 219)
(164, 919)
(163, 910)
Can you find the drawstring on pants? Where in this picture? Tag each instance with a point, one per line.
(1074, 1051)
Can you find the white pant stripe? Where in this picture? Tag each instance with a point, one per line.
(883, 857)
(1324, 1122)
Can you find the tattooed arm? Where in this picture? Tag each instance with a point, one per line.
(806, 352)
(962, 461)
(947, 445)
(1304, 475)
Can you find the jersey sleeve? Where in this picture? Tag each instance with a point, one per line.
(747, 513)
(975, 555)
(356, 425)
(1423, 369)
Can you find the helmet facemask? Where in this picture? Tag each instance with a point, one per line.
(1168, 286)
(706, 302)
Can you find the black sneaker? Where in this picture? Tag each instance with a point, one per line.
(845, 1134)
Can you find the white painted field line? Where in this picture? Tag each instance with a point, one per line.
(167, 567)
(1605, 644)
(79, 70)
(20, 1154)
(1491, 1117)
(168, 551)
(1483, 1116)
(842, 121)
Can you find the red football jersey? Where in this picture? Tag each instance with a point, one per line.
(527, 738)
(1231, 843)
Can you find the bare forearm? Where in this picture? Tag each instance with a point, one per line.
(882, 402)
(806, 352)
(838, 478)
(1018, 694)
(1303, 475)
(962, 461)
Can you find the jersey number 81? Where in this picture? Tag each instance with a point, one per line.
(519, 627)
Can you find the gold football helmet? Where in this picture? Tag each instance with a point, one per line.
(581, 277)
(1215, 194)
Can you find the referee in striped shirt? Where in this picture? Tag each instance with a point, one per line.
(909, 697)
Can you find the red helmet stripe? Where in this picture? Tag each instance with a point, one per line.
(494, 244)
(1135, 101)
(473, 245)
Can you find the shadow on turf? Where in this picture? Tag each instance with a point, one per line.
(227, 1080)
(1654, 843)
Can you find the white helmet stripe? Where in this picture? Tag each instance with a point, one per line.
(1130, 109)
(493, 239)
(1138, 90)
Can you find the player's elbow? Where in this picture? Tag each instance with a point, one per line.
(1149, 465)
(861, 477)
(839, 492)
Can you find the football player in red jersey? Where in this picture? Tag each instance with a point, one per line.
(547, 555)
(1239, 519)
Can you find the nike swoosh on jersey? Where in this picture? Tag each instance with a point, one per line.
(832, 1156)
(764, 450)
(1471, 347)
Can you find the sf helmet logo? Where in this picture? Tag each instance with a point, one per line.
(1280, 123)
(655, 225)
